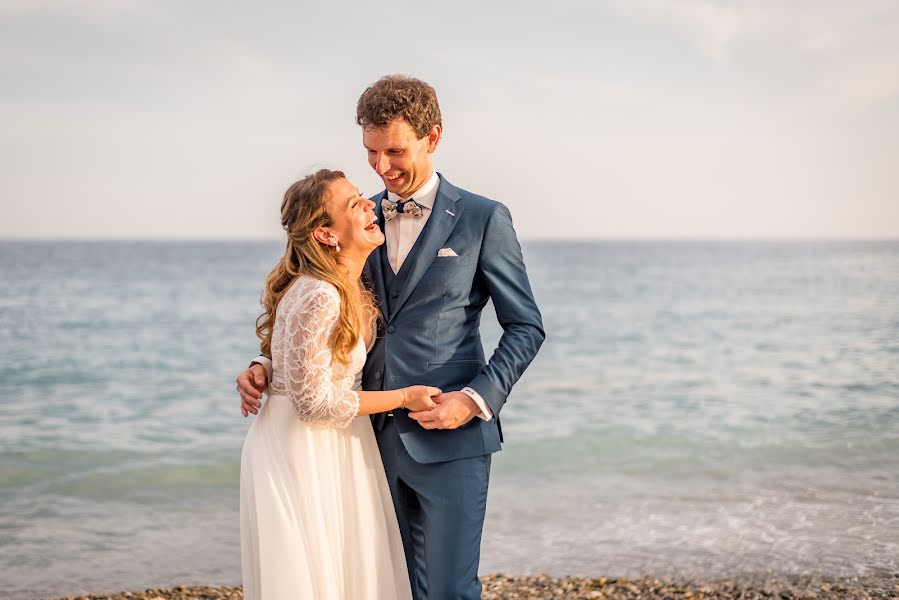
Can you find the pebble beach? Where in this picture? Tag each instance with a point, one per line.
(502, 587)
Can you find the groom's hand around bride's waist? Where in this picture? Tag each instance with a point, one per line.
(453, 410)
(251, 384)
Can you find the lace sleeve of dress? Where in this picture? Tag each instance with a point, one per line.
(310, 317)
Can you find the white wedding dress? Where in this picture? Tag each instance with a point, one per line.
(316, 518)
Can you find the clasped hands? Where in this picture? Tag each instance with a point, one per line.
(448, 410)
(451, 410)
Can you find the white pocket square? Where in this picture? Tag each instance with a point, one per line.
(446, 252)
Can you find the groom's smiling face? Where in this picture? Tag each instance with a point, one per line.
(399, 156)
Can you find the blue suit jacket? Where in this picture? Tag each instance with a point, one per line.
(432, 310)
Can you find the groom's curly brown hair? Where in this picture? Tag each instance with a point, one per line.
(394, 96)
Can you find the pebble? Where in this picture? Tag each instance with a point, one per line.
(542, 587)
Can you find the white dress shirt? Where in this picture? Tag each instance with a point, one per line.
(401, 232)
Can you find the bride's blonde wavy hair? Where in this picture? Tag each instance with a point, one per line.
(305, 207)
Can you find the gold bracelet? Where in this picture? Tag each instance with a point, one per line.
(403, 403)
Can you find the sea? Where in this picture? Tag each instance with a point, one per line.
(700, 409)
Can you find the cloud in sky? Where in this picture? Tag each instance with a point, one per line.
(620, 118)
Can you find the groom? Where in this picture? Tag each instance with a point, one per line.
(447, 252)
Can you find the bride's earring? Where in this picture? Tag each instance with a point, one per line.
(337, 246)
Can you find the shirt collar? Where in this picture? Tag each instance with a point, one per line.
(426, 194)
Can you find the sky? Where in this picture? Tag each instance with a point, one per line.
(137, 119)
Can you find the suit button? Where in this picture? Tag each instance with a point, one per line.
(394, 294)
(391, 329)
(378, 375)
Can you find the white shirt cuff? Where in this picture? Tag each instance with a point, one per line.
(266, 363)
(485, 413)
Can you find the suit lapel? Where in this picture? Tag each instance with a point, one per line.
(444, 216)
(374, 264)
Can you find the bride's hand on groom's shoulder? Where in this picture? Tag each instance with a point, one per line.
(420, 397)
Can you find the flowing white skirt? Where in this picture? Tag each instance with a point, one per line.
(316, 518)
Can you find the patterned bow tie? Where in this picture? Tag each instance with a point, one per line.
(409, 207)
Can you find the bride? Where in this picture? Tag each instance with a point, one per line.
(316, 517)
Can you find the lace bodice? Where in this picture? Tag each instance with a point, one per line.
(320, 388)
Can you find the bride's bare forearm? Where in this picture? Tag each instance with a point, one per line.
(377, 402)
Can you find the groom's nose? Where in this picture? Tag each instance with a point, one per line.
(381, 164)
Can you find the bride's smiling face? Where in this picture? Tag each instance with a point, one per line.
(354, 223)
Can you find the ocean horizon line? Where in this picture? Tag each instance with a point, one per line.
(570, 240)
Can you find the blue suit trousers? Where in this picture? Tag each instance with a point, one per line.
(440, 508)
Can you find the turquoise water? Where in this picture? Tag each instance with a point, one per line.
(698, 410)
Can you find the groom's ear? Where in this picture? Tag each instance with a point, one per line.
(434, 137)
